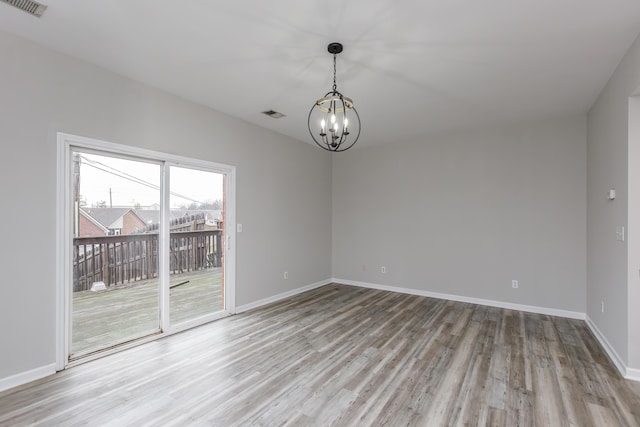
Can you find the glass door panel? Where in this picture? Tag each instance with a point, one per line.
(196, 224)
(116, 287)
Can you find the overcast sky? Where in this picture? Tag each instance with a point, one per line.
(133, 182)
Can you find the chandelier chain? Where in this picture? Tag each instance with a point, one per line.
(335, 86)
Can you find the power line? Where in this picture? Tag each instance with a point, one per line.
(128, 177)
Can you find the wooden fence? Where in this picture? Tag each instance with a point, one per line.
(129, 258)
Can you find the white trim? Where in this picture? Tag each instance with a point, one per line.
(609, 350)
(269, 300)
(164, 263)
(490, 303)
(230, 230)
(63, 273)
(142, 153)
(26, 377)
(633, 374)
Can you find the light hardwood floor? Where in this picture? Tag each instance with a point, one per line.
(346, 356)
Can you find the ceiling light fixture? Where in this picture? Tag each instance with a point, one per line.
(334, 123)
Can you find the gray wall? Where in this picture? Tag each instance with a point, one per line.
(283, 187)
(465, 214)
(611, 277)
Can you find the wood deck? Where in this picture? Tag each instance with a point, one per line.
(128, 311)
(346, 356)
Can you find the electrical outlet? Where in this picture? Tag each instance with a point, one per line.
(514, 284)
(383, 270)
(364, 267)
(286, 275)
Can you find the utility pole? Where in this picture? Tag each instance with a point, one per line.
(76, 194)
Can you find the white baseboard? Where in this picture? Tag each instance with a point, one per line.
(283, 295)
(26, 377)
(490, 303)
(633, 374)
(608, 348)
(626, 372)
(621, 366)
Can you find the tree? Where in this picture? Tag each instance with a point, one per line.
(100, 204)
(207, 205)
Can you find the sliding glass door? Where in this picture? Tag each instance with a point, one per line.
(196, 210)
(148, 245)
(116, 286)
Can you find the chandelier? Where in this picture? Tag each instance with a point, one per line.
(334, 123)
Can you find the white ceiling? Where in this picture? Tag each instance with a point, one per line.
(413, 68)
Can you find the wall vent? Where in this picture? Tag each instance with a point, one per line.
(273, 114)
(29, 6)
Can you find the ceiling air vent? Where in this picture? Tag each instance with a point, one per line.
(29, 6)
(271, 113)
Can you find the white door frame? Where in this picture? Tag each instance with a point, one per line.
(64, 274)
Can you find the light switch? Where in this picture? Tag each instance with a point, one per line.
(620, 233)
(239, 228)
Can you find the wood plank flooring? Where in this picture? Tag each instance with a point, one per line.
(346, 356)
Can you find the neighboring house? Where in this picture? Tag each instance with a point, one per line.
(89, 227)
(151, 217)
(212, 217)
(116, 220)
